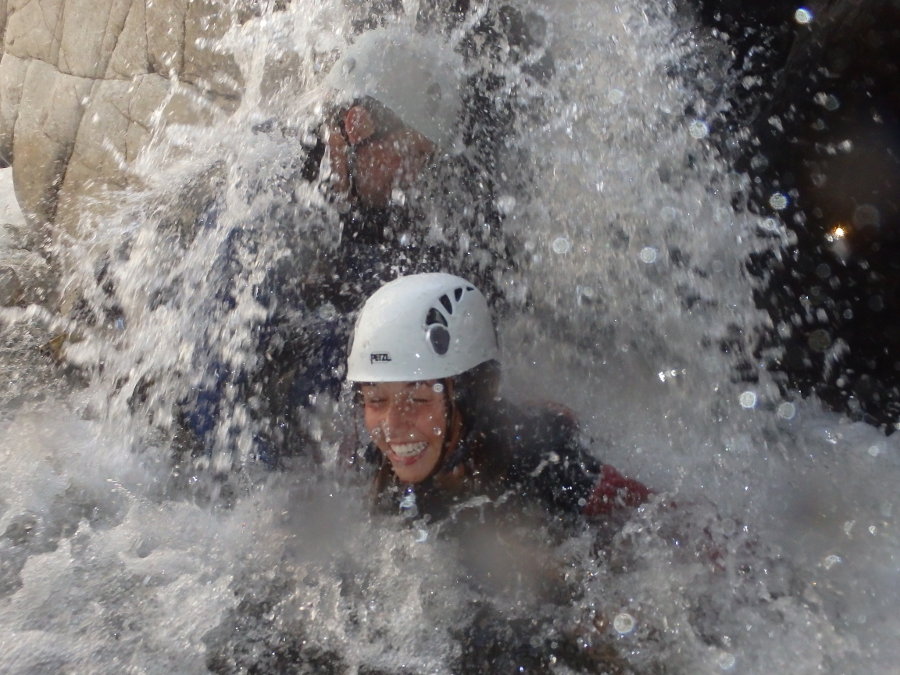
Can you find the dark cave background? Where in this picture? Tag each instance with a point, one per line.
(822, 112)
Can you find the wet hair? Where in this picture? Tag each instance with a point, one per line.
(475, 393)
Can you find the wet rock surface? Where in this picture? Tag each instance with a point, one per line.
(83, 85)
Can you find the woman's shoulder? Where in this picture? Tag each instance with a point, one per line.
(541, 446)
(542, 426)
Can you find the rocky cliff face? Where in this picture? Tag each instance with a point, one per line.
(84, 84)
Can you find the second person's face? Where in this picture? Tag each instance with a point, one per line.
(408, 423)
(375, 160)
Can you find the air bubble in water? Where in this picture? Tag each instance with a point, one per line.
(748, 399)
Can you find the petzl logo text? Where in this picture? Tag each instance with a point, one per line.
(379, 358)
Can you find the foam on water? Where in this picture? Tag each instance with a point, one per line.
(781, 553)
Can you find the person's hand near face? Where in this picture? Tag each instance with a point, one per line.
(370, 157)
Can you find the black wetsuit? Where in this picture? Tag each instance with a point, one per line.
(517, 459)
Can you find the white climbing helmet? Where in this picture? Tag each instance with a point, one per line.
(421, 327)
(418, 77)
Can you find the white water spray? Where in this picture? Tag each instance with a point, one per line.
(781, 552)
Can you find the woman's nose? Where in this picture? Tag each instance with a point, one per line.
(394, 423)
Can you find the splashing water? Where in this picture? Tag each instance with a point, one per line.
(780, 556)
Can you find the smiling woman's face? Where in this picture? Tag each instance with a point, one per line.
(407, 422)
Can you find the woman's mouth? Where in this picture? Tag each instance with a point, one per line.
(407, 453)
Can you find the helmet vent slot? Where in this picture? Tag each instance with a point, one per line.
(435, 317)
(439, 338)
(458, 293)
(445, 301)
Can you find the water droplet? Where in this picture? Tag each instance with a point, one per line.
(648, 254)
(398, 196)
(668, 213)
(408, 506)
(874, 450)
(437, 431)
(786, 411)
(698, 129)
(506, 204)
(803, 16)
(778, 201)
(561, 245)
(585, 292)
(438, 387)
(748, 400)
(819, 340)
(726, 661)
(866, 215)
(624, 623)
(616, 96)
(831, 560)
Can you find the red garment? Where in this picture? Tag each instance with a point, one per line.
(613, 491)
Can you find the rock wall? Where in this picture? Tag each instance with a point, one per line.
(85, 83)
